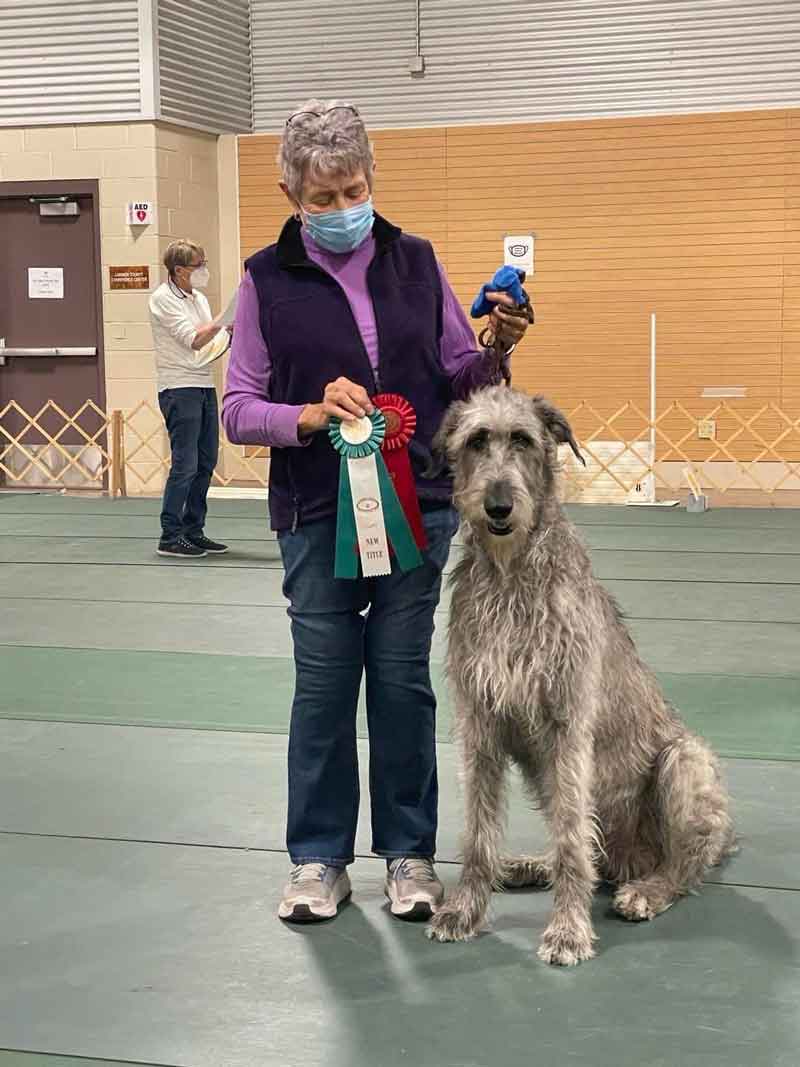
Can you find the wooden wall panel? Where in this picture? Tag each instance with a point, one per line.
(694, 217)
(411, 186)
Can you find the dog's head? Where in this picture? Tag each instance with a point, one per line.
(502, 446)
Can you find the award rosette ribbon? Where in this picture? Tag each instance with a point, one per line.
(369, 515)
(401, 421)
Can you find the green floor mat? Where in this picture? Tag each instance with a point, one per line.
(608, 564)
(679, 646)
(57, 504)
(741, 648)
(229, 790)
(668, 566)
(58, 551)
(243, 587)
(739, 716)
(224, 528)
(144, 584)
(174, 955)
(235, 529)
(722, 601)
(709, 601)
(707, 539)
(581, 514)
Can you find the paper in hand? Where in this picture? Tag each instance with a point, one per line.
(228, 315)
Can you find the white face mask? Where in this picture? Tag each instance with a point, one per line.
(199, 277)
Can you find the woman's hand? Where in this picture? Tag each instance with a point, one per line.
(343, 399)
(510, 329)
(205, 333)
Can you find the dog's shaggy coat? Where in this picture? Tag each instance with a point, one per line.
(545, 675)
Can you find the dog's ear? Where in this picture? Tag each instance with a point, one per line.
(441, 441)
(556, 424)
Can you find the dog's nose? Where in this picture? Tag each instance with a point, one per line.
(498, 502)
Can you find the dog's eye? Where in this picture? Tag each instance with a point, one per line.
(478, 441)
(520, 440)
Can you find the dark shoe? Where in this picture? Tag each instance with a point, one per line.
(180, 547)
(201, 541)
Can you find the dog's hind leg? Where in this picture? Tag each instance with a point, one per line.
(691, 806)
(461, 915)
(519, 871)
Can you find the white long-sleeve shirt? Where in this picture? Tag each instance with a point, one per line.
(175, 320)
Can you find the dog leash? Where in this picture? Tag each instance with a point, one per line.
(498, 350)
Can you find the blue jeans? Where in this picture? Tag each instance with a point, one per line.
(336, 640)
(193, 425)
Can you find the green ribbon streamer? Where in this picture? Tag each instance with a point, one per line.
(346, 565)
(398, 532)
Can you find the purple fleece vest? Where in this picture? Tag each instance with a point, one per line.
(313, 339)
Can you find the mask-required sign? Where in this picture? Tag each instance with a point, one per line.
(45, 283)
(518, 252)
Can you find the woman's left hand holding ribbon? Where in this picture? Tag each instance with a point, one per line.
(342, 399)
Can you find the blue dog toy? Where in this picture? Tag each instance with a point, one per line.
(506, 280)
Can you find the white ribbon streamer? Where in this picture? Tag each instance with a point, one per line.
(370, 526)
(373, 544)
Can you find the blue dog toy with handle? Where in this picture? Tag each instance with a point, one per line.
(506, 280)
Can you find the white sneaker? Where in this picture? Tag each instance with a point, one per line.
(413, 889)
(314, 892)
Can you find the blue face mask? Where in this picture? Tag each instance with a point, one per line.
(341, 231)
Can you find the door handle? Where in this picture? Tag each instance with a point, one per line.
(39, 352)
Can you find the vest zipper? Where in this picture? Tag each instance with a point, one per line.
(295, 498)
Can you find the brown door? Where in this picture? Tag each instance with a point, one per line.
(51, 330)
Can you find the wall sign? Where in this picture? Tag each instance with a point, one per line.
(518, 252)
(45, 283)
(129, 277)
(140, 213)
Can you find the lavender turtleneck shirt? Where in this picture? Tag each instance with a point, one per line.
(248, 414)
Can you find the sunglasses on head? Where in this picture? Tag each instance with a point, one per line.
(319, 114)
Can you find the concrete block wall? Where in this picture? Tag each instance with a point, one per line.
(178, 170)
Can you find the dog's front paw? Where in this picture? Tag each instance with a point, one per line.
(451, 923)
(566, 945)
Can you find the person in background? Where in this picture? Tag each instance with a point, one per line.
(187, 340)
(345, 306)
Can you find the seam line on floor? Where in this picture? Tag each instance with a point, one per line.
(44, 515)
(282, 605)
(268, 659)
(91, 1059)
(226, 729)
(282, 852)
(767, 584)
(273, 541)
(276, 565)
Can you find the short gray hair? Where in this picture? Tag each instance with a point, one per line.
(180, 254)
(323, 138)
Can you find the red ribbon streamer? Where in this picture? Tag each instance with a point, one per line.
(401, 421)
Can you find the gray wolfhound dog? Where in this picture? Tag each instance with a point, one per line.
(546, 676)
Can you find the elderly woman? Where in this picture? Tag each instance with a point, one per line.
(342, 307)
